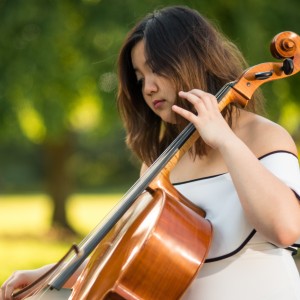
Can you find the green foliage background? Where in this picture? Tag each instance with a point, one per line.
(58, 81)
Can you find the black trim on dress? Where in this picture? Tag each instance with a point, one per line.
(297, 196)
(220, 174)
(277, 151)
(291, 248)
(234, 251)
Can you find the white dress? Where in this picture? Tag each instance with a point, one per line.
(241, 264)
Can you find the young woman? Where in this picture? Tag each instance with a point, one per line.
(243, 171)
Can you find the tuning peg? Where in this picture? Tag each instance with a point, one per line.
(288, 66)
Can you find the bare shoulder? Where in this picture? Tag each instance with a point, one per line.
(263, 136)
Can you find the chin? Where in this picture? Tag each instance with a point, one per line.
(168, 119)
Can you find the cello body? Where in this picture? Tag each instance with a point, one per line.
(156, 256)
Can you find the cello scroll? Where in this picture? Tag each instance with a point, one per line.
(285, 45)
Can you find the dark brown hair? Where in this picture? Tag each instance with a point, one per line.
(183, 46)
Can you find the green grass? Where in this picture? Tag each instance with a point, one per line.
(26, 240)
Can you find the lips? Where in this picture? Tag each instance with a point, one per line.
(158, 103)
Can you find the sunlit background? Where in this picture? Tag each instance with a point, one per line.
(63, 158)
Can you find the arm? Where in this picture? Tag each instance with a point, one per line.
(21, 279)
(270, 206)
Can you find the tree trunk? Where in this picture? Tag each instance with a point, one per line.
(58, 178)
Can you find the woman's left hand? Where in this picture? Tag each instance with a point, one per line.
(209, 122)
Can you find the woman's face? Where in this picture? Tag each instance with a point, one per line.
(158, 91)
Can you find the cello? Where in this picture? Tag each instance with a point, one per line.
(155, 241)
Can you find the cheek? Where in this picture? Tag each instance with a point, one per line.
(171, 92)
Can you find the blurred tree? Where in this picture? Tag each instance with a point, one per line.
(52, 65)
(58, 83)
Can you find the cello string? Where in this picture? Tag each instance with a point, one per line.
(90, 242)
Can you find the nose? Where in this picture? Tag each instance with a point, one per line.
(150, 85)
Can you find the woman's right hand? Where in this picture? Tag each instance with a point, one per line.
(19, 280)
